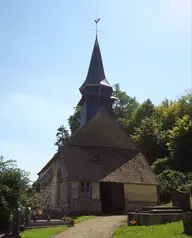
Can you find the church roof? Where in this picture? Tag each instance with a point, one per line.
(103, 131)
(107, 165)
(49, 163)
(96, 74)
(102, 151)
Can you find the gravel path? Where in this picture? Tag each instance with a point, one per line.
(99, 227)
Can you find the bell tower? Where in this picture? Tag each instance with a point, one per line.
(96, 91)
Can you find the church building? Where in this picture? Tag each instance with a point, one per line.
(99, 170)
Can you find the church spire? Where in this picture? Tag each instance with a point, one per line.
(96, 91)
(96, 73)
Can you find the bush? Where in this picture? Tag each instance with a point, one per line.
(69, 220)
(170, 180)
(186, 188)
(161, 164)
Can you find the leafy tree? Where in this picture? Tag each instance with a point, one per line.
(170, 181)
(14, 185)
(123, 109)
(36, 186)
(151, 139)
(32, 198)
(74, 120)
(161, 164)
(146, 109)
(124, 105)
(62, 137)
(180, 143)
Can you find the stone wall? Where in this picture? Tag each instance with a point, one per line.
(88, 205)
(54, 185)
(45, 188)
(95, 190)
(140, 193)
(137, 196)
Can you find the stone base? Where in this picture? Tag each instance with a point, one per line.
(187, 223)
(148, 219)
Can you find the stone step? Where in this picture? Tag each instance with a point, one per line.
(39, 223)
(160, 207)
(42, 226)
(166, 211)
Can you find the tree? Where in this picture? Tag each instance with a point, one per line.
(14, 184)
(151, 139)
(62, 137)
(123, 109)
(124, 105)
(180, 144)
(146, 109)
(74, 120)
(162, 164)
(170, 181)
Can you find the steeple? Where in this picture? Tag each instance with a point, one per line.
(96, 90)
(96, 74)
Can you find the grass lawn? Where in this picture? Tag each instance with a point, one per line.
(51, 231)
(171, 230)
(43, 232)
(82, 218)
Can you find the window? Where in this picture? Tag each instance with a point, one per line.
(85, 190)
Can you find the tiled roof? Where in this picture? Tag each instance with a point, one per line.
(107, 164)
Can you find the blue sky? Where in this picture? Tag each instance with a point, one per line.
(45, 48)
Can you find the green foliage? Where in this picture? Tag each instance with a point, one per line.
(15, 189)
(150, 138)
(180, 143)
(170, 180)
(170, 230)
(62, 137)
(161, 164)
(74, 120)
(14, 183)
(146, 109)
(123, 108)
(124, 105)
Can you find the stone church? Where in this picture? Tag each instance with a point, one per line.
(99, 170)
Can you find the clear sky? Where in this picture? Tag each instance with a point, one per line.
(45, 49)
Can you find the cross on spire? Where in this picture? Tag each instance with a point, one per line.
(97, 21)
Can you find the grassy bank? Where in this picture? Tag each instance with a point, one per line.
(171, 230)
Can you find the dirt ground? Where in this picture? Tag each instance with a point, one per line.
(99, 227)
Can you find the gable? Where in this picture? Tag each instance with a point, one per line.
(102, 131)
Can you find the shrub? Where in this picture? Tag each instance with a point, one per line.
(161, 164)
(69, 220)
(170, 180)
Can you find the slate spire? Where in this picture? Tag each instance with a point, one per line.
(96, 73)
(97, 94)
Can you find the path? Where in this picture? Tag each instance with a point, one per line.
(99, 227)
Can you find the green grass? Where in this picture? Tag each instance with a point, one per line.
(43, 232)
(171, 230)
(51, 231)
(82, 218)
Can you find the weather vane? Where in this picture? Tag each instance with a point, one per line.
(96, 21)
